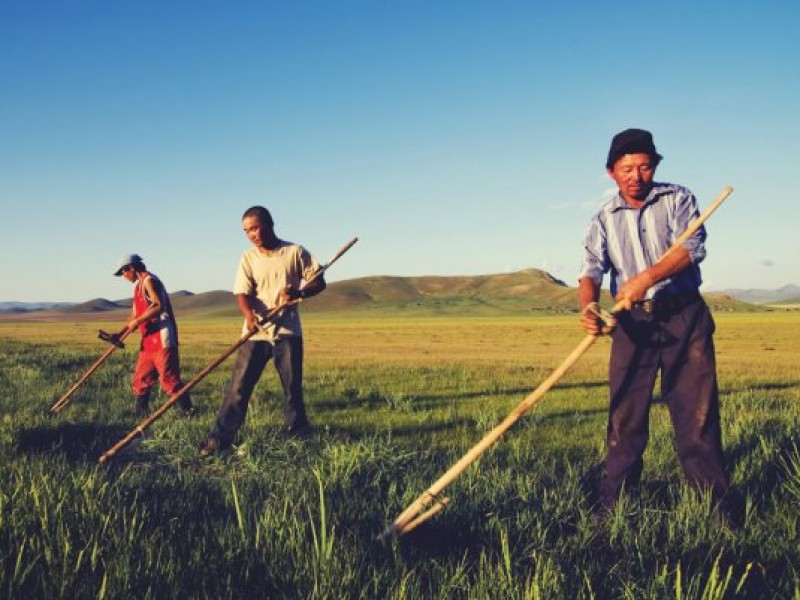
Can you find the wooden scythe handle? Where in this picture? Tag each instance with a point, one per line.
(62, 402)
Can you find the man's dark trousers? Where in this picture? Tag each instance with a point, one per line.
(251, 359)
(680, 343)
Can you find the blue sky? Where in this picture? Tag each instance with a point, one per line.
(451, 137)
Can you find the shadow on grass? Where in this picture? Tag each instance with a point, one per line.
(765, 386)
(441, 538)
(174, 497)
(771, 472)
(656, 493)
(578, 385)
(562, 415)
(472, 532)
(363, 432)
(77, 442)
(434, 428)
(375, 399)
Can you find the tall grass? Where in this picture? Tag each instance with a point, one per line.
(394, 403)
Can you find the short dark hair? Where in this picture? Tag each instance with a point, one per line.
(259, 212)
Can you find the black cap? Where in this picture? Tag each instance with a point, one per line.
(631, 141)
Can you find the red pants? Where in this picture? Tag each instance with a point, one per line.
(153, 365)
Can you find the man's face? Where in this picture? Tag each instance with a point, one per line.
(255, 231)
(128, 273)
(633, 173)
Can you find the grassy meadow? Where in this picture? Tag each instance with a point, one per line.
(394, 401)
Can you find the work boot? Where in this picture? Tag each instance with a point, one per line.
(186, 409)
(186, 406)
(298, 431)
(731, 510)
(600, 515)
(187, 413)
(142, 406)
(300, 428)
(212, 445)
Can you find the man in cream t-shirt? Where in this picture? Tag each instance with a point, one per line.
(269, 274)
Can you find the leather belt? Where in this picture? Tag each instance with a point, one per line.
(668, 304)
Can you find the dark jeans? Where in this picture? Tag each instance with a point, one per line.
(250, 362)
(681, 346)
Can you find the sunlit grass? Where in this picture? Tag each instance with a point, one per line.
(394, 401)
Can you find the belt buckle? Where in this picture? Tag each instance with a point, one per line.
(648, 305)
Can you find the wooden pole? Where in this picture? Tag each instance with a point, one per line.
(406, 521)
(411, 517)
(140, 428)
(62, 402)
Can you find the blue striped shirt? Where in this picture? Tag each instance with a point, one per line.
(626, 240)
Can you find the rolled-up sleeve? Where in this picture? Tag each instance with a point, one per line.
(595, 257)
(686, 211)
(308, 264)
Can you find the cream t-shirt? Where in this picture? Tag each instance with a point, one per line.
(262, 276)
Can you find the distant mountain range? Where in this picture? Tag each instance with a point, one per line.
(506, 293)
(788, 294)
(20, 307)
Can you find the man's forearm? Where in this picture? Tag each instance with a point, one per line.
(672, 264)
(635, 288)
(588, 291)
(243, 300)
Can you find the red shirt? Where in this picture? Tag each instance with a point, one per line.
(160, 331)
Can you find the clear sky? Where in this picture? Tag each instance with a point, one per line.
(453, 137)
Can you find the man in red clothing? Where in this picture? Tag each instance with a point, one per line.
(151, 314)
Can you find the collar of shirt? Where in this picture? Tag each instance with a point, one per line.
(619, 203)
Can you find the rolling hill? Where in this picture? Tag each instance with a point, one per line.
(519, 292)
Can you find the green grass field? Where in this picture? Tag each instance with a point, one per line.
(395, 400)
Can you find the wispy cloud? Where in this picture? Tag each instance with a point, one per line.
(550, 267)
(588, 205)
(767, 262)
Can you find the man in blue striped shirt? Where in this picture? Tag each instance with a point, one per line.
(667, 327)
